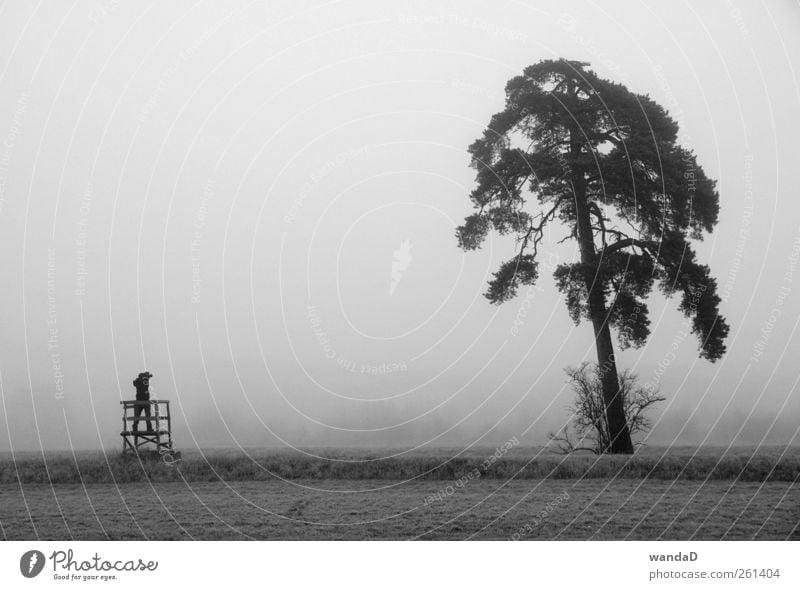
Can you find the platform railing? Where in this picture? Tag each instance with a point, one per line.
(158, 426)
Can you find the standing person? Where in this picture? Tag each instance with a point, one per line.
(142, 385)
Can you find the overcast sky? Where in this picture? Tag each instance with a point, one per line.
(258, 206)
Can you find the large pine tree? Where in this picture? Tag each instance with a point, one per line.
(603, 161)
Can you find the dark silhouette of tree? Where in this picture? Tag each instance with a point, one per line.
(587, 429)
(604, 162)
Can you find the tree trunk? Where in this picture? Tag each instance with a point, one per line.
(619, 434)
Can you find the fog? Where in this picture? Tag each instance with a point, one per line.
(258, 204)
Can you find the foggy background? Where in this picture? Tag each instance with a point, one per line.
(218, 195)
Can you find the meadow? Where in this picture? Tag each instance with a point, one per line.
(528, 493)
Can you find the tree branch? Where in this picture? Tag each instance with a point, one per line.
(571, 235)
(627, 243)
(537, 230)
(595, 210)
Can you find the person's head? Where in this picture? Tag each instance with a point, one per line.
(144, 378)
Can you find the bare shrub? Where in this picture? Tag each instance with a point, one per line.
(588, 429)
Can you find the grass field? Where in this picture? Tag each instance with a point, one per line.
(357, 510)
(741, 464)
(269, 495)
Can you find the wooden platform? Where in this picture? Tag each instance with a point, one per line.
(141, 439)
